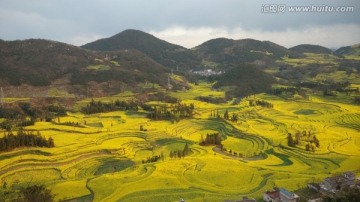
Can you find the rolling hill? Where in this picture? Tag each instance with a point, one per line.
(121, 62)
(39, 63)
(227, 51)
(308, 48)
(165, 53)
(348, 50)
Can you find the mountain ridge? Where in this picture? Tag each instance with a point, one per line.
(141, 57)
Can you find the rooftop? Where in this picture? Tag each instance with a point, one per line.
(273, 194)
(287, 193)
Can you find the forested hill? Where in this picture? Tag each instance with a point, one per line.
(163, 52)
(38, 62)
(225, 51)
(123, 61)
(308, 48)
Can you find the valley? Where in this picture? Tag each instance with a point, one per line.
(101, 158)
(135, 118)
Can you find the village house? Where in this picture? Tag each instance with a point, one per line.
(280, 195)
(338, 182)
(287, 196)
(246, 199)
(272, 196)
(314, 186)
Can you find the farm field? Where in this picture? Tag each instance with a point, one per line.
(102, 158)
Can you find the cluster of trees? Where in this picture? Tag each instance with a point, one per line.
(32, 193)
(328, 86)
(142, 128)
(246, 80)
(154, 158)
(262, 103)
(209, 99)
(357, 100)
(211, 139)
(25, 114)
(24, 139)
(47, 112)
(282, 90)
(172, 112)
(99, 107)
(160, 96)
(310, 139)
(346, 195)
(70, 123)
(180, 153)
(8, 125)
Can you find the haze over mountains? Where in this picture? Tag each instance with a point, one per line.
(109, 65)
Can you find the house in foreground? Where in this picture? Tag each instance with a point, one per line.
(247, 199)
(280, 195)
(287, 196)
(244, 199)
(314, 186)
(272, 196)
(338, 182)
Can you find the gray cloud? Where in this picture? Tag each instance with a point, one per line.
(81, 21)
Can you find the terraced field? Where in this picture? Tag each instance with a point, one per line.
(103, 159)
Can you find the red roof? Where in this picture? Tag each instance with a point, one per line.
(273, 194)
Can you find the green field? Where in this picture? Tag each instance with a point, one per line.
(102, 160)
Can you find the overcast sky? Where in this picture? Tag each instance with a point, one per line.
(184, 22)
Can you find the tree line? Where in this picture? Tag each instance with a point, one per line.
(154, 158)
(262, 103)
(233, 117)
(24, 138)
(99, 107)
(172, 112)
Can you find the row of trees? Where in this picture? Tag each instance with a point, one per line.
(213, 100)
(172, 112)
(233, 117)
(159, 112)
(99, 107)
(262, 103)
(283, 90)
(232, 152)
(154, 158)
(24, 139)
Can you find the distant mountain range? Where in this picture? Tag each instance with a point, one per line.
(109, 65)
